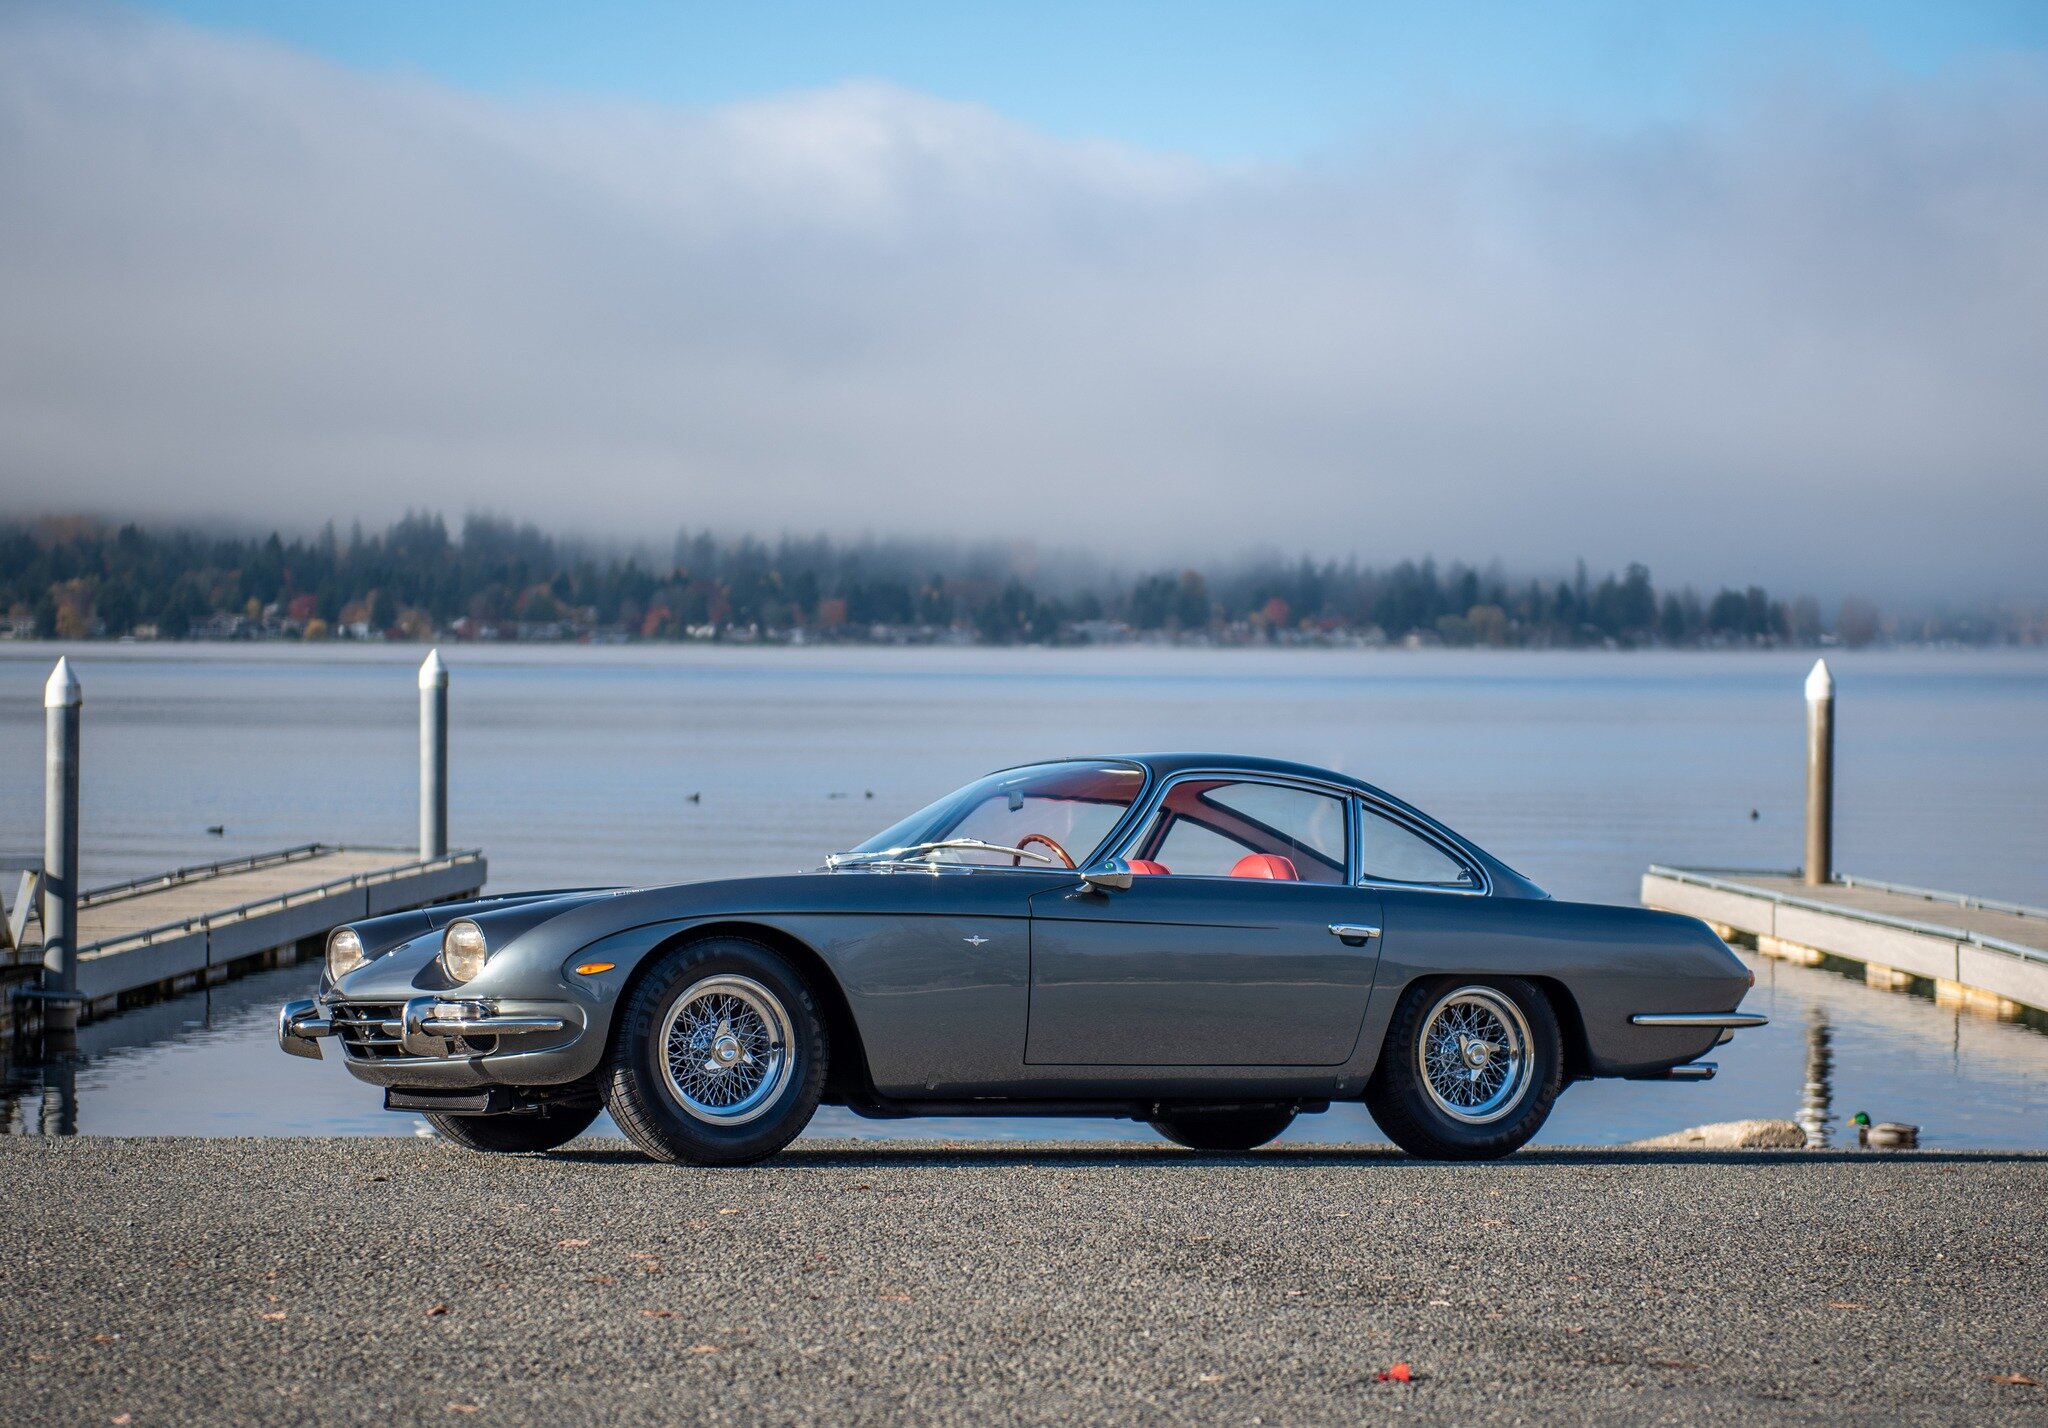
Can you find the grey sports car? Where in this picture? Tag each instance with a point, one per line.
(1207, 943)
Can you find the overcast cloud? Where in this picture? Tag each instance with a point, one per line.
(1807, 344)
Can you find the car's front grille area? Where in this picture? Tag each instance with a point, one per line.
(361, 1027)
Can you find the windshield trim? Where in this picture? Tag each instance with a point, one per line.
(1147, 781)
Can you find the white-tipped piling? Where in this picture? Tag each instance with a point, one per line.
(1820, 774)
(433, 756)
(63, 706)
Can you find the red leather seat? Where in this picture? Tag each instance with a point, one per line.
(1266, 865)
(1148, 867)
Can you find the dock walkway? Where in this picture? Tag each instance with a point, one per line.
(171, 932)
(1976, 952)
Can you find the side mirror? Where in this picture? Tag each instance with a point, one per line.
(1110, 875)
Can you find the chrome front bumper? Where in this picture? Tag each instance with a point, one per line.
(426, 1027)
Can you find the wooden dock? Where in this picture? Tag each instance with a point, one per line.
(1973, 952)
(162, 935)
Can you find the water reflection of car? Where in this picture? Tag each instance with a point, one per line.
(1212, 945)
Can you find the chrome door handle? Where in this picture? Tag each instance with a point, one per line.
(1353, 933)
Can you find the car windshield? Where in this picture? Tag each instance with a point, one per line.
(1043, 815)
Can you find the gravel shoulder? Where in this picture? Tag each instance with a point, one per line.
(401, 1281)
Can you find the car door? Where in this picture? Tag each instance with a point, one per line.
(935, 969)
(1196, 967)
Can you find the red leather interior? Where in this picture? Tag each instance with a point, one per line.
(1266, 865)
(1148, 867)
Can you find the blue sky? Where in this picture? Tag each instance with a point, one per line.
(1220, 81)
(1746, 292)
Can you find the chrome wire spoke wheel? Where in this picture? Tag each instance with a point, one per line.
(726, 1047)
(1474, 1053)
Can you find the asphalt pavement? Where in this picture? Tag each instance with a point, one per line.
(405, 1281)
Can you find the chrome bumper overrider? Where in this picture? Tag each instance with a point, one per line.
(425, 1028)
(298, 1023)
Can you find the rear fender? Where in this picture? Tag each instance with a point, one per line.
(1599, 964)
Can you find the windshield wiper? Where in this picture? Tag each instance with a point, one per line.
(922, 852)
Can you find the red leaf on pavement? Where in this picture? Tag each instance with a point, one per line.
(2018, 1379)
(1399, 1373)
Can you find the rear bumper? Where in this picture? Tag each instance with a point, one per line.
(1726, 1021)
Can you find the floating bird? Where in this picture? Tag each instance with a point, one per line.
(1884, 1135)
(869, 794)
(1752, 815)
(696, 798)
(218, 830)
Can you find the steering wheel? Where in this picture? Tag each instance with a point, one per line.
(1029, 838)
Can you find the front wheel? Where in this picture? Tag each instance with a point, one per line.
(720, 1057)
(1468, 1070)
(515, 1135)
(1240, 1129)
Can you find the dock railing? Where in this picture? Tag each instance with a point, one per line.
(1731, 880)
(207, 921)
(157, 882)
(28, 892)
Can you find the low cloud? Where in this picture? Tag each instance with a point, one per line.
(1804, 343)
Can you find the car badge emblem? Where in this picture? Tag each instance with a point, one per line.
(974, 941)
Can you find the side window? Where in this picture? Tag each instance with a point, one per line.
(1194, 851)
(1392, 853)
(1206, 827)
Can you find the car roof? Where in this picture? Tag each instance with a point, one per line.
(1165, 765)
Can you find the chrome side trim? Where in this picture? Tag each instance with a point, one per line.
(1734, 1021)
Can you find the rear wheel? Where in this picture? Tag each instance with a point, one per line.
(1238, 1129)
(545, 1130)
(1469, 1069)
(720, 1057)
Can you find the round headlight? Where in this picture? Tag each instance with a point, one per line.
(463, 950)
(344, 952)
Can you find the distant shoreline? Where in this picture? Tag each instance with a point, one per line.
(492, 581)
(404, 652)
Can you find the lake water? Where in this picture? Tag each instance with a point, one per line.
(576, 766)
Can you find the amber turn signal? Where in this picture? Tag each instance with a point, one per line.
(592, 968)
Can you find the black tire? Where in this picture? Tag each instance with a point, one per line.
(513, 1135)
(646, 1100)
(1239, 1129)
(1399, 1094)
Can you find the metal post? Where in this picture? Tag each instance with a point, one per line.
(433, 756)
(1820, 774)
(63, 702)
